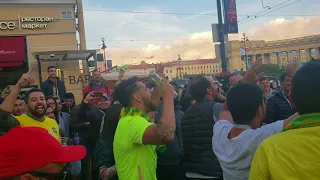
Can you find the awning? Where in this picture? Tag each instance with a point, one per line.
(13, 51)
(10, 64)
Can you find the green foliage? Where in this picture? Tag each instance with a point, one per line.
(271, 70)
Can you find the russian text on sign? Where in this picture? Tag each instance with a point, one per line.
(36, 19)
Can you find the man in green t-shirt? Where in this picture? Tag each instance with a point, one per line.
(137, 138)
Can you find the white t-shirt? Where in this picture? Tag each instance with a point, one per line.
(235, 155)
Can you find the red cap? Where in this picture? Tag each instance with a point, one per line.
(30, 148)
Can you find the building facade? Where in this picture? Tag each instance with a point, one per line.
(273, 52)
(28, 26)
(181, 69)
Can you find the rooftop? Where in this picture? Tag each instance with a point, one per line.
(175, 63)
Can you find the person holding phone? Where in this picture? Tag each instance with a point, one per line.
(86, 120)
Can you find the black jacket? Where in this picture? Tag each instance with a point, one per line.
(67, 110)
(197, 131)
(86, 113)
(174, 151)
(47, 88)
(278, 107)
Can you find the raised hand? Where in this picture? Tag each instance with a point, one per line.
(251, 75)
(90, 97)
(167, 89)
(25, 80)
(293, 67)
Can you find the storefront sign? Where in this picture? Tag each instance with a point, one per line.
(79, 79)
(13, 49)
(26, 23)
(66, 15)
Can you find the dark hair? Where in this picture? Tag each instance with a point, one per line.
(243, 101)
(85, 95)
(111, 122)
(95, 70)
(51, 67)
(305, 88)
(69, 96)
(124, 91)
(55, 111)
(264, 78)
(198, 87)
(283, 76)
(26, 97)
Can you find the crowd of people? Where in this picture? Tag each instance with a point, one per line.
(257, 129)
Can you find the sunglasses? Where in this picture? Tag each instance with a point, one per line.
(50, 176)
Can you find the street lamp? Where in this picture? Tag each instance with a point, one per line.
(245, 39)
(104, 47)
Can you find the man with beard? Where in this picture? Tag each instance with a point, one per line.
(136, 136)
(196, 126)
(36, 104)
(96, 85)
(53, 86)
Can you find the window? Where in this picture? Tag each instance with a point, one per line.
(166, 71)
(170, 71)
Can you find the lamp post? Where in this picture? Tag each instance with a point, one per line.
(244, 41)
(104, 47)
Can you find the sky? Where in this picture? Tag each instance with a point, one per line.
(157, 37)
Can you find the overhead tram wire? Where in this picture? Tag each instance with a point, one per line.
(189, 14)
(245, 21)
(266, 10)
(270, 11)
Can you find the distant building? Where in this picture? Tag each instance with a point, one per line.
(273, 52)
(181, 69)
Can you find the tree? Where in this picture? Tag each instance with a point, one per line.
(271, 70)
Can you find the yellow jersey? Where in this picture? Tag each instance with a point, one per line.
(290, 155)
(49, 124)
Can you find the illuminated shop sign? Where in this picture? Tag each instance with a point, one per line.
(26, 23)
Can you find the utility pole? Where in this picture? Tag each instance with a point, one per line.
(221, 38)
(245, 39)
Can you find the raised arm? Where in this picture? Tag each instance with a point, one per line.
(7, 121)
(163, 132)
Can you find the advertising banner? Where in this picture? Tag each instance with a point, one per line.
(230, 17)
(13, 49)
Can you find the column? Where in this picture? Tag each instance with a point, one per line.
(278, 58)
(266, 58)
(298, 55)
(287, 53)
(317, 53)
(308, 53)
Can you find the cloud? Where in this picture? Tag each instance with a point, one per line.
(281, 28)
(194, 46)
(161, 38)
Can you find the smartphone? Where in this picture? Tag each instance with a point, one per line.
(97, 94)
